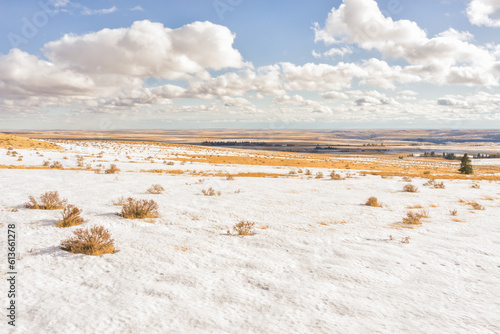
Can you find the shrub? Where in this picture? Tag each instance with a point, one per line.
(139, 209)
(475, 186)
(453, 212)
(372, 201)
(308, 172)
(120, 201)
(292, 172)
(476, 206)
(244, 228)
(407, 179)
(410, 188)
(319, 175)
(112, 169)
(439, 185)
(155, 189)
(413, 218)
(210, 192)
(230, 178)
(70, 216)
(48, 201)
(56, 165)
(91, 241)
(336, 176)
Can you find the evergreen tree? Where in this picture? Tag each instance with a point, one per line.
(465, 166)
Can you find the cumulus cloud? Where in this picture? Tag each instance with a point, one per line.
(484, 13)
(333, 52)
(448, 57)
(148, 49)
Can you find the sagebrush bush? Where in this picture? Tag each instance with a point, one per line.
(70, 216)
(410, 188)
(336, 176)
(112, 169)
(56, 165)
(308, 172)
(210, 192)
(413, 218)
(90, 241)
(406, 179)
(139, 209)
(155, 189)
(372, 201)
(230, 178)
(48, 201)
(319, 175)
(244, 228)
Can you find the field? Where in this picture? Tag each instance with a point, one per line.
(318, 259)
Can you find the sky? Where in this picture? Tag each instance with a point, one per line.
(294, 64)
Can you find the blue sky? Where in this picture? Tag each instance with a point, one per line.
(249, 64)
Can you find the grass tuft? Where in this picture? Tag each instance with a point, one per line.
(91, 241)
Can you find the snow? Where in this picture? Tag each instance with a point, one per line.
(304, 271)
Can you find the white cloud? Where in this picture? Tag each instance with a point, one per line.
(456, 60)
(334, 95)
(148, 49)
(484, 12)
(88, 11)
(137, 8)
(296, 100)
(333, 52)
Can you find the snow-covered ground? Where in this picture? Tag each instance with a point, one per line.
(320, 261)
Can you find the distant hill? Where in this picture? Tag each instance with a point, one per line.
(8, 140)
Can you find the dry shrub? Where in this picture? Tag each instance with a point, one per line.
(406, 179)
(91, 241)
(413, 218)
(308, 172)
(410, 188)
(112, 169)
(476, 206)
(319, 175)
(46, 163)
(210, 192)
(48, 201)
(336, 176)
(155, 189)
(70, 216)
(453, 212)
(372, 201)
(139, 209)
(244, 228)
(56, 165)
(405, 240)
(475, 186)
(230, 178)
(170, 163)
(417, 206)
(292, 172)
(434, 184)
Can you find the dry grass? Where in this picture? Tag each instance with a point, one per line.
(243, 228)
(453, 212)
(155, 189)
(406, 179)
(410, 188)
(372, 201)
(476, 206)
(12, 141)
(414, 218)
(475, 186)
(418, 206)
(230, 178)
(139, 209)
(336, 176)
(112, 169)
(319, 175)
(48, 201)
(70, 217)
(56, 165)
(210, 192)
(91, 241)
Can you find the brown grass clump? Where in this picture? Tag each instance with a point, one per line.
(112, 169)
(475, 186)
(56, 165)
(91, 241)
(70, 217)
(372, 201)
(155, 189)
(210, 192)
(413, 218)
(230, 178)
(243, 228)
(139, 209)
(406, 179)
(319, 175)
(308, 172)
(336, 176)
(410, 188)
(120, 201)
(48, 201)
(476, 206)
(453, 212)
